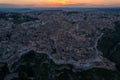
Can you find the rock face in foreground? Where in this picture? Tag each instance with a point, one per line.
(38, 66)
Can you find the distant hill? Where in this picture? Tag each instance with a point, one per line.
(15, 10)
(28, 8)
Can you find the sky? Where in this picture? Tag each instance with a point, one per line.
(61, 3)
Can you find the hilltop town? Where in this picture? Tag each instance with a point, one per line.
(66, 37)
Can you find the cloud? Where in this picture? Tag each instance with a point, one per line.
(54, 5)
(91, 5)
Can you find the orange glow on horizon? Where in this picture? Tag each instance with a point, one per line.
(53, 3)
(59, 3)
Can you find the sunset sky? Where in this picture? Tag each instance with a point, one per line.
(60, 3)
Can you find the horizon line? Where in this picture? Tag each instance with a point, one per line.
(2, 5)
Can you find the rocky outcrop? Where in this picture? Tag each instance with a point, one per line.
(109, 44)
(39, 66)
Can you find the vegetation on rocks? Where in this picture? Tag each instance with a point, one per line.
(109, 44)
(38, 66)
